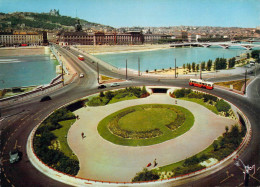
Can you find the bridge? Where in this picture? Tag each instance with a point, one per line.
(225, 45)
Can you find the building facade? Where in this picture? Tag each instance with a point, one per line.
(100, 38)
(21, 38)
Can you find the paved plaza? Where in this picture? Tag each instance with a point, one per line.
(103, 160)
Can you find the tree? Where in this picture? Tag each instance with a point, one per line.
(231, 62)
(197, 67)
(101, 94)
(215, 145)
(189, 67)
(193, 66)
(209, 65)
(202, 66)
(255, 54)
(226, 128)
(183, 67)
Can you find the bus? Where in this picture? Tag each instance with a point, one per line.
(80, 57)
(201, 84)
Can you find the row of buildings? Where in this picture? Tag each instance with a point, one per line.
(23, 38)
(83, 38)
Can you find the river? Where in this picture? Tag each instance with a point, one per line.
(164, 59)
(30, 70)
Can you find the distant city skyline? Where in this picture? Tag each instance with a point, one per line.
(148, 13)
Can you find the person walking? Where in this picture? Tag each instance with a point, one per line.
(82, 135)
(154, 163)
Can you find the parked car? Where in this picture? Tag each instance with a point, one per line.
(15, 156)
(101, 86)
(45, 98)
(114, 84)
(81, 75)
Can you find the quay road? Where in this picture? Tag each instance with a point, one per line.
(18, 120)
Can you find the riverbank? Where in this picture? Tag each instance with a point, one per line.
(21, 51)
(110, 49)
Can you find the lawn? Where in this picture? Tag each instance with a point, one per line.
(201, 102)
(167, 134)
(61, 135)
(128, 97)
(149, 119)
(172, 166)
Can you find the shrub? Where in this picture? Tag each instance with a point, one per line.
(207, 97)
(191, 161)
(182, 92)
(221, 105)
(145, 175)
(194, 95)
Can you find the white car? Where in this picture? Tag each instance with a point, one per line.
(81, 75)
(114, 84)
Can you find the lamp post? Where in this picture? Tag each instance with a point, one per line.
(138, 66)
(97, 73)
(245, 82)
(175, 69)
(126, 69)
(62, 77)
(246, 171)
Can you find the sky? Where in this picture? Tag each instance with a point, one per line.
(128, 13)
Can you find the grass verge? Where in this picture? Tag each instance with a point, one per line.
(61, 135)
(201, 102)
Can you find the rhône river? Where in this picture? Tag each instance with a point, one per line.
(28, 70)
(159, 59)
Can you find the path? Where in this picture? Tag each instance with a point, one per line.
(103, 160)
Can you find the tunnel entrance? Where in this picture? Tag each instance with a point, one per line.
(159, 90)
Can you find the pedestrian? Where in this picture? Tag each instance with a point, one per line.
(154, 163)
(82, 135)
(176, 102)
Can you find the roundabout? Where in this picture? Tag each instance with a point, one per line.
(103, 160)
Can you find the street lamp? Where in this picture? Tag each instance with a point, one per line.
(245, 82)
(246, 171)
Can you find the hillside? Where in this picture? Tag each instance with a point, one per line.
(43, 21)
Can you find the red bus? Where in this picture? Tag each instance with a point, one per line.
(80, 57)
(201, 83)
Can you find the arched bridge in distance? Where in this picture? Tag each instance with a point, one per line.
(225, 45)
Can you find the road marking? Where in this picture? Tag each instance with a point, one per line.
(226, 178)
(241, 184)
(254, 178)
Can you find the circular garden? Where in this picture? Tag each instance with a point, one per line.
(144, 125)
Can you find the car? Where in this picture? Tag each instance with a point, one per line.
(114, 84)
(45, 98)
(81, 75)
(101, 86)
(15, 156)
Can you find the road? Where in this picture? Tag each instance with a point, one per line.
(18, 120)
